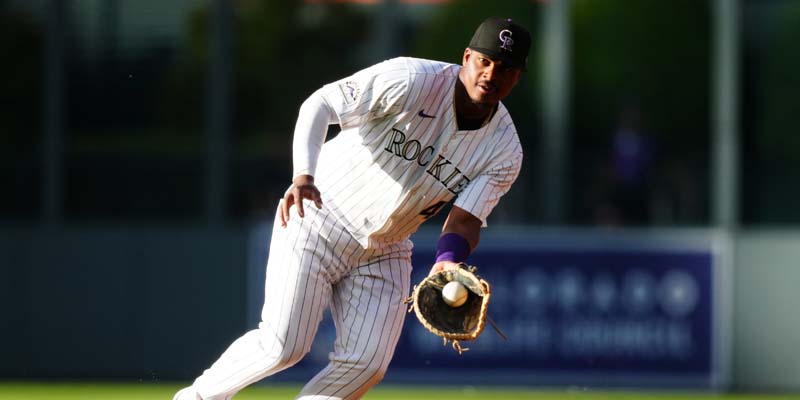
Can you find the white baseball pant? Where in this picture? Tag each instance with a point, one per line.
(315, 263)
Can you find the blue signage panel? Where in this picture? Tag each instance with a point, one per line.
(637, 315)
(592, 310)
(632, 313)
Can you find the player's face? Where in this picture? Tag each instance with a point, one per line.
(487, 81)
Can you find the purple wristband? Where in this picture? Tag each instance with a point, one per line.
(452, 247)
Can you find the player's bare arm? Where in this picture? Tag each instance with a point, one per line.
(463, 224)
(302, 188)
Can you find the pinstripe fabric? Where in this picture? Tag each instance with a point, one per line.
(398, 160)
(314, 263)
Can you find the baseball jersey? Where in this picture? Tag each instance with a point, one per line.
(400, 157)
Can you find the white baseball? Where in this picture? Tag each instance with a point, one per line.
(454, 294)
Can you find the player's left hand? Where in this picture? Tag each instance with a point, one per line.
(302, 188)
(442, 266)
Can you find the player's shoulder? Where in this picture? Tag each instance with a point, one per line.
(390, 67)
(416, 66)
(505, 129)
(421, 66)
(504, 121)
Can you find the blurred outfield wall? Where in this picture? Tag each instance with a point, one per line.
(160, 303)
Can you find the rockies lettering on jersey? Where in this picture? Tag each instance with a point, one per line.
(400, 154)
(412, 150)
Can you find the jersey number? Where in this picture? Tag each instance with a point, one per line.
(432, 210)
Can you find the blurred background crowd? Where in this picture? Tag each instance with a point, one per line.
(182, 111)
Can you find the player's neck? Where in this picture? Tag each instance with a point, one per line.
(469, 115)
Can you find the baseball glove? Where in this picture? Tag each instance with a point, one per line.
(456, 324)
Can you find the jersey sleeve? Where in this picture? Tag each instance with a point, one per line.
(371, 93)
(482, 194)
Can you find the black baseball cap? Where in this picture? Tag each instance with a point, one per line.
(502, 39)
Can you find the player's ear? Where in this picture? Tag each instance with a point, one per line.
(517, 76)
(465, 57)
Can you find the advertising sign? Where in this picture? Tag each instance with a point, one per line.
(585, 309)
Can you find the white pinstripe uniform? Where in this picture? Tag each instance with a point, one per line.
(397, 161)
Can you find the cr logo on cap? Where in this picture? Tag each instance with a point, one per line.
(505, 37)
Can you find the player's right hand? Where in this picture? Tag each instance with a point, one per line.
(302, 188)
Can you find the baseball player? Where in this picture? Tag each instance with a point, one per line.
(415, 135)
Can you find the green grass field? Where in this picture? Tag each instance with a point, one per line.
(162, 391)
